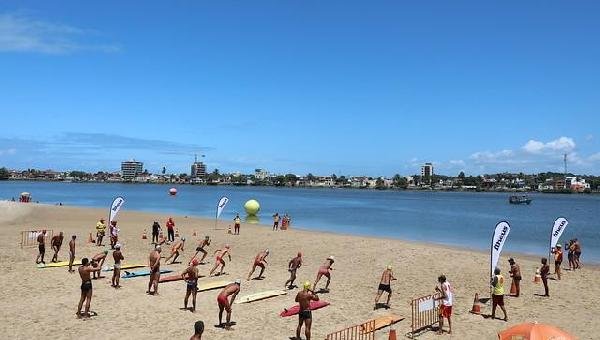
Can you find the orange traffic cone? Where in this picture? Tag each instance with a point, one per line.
(229, 229)
(145, 235)
(392, 335)
(513, 288)
(537, 278)
(476, 308)
(90, 239)
(177, 232)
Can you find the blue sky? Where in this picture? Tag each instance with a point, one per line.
(373, 88)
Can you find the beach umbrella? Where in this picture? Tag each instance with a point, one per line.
(534, 331)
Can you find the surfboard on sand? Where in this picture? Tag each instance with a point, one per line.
(58, 264)
(125, 266)
(213, 285)
(130, 275)
(259, 296)
(296, 309)
(381, 322)
(170, 278)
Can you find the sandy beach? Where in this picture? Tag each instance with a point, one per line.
(43, 301)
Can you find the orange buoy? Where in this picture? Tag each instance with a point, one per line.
(172, 191)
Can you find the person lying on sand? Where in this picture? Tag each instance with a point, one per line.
(259, 261)
(98, 261)
(293, 266)
(219, 261)
(56, 243)
(304, 297)
(384, 286)
(176, 250)
(190, 275)
(86, 287)
(232, 290)
(324, 271)
(200, 249)
(154, 265)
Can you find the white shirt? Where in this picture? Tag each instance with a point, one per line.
(448, 290)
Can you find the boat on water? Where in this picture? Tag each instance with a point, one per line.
(519, 199)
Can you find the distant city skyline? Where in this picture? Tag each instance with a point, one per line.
(337, 87)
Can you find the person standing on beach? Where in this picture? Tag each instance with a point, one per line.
(86, 287)
(200, 249)
(72, 253)
(224, 303)
(237, 221)
(558, 257)
(324, 271)
(198, 330)
(577, 253)
(304, 297)
(446, 308)
(114, 234)
(276, 222)
(155, 231)
(170, 230)
(544, 271)
(259, 261)
(515, 273)
(56, 243)
(98, 261)
(100, 231)
(219, 259)
(498, 293)
(190, 275)
(176, 250)
(41, 240)
(117, 257)
(293, 266)
(154, 265)
(384, 286)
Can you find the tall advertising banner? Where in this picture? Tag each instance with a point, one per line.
(115, 207)
(500, 235)
(557, 229)
(220, 206)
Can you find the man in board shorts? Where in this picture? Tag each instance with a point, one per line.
(41, 240)
(304, 297)
(385, 286)
(446, 308)
(498, 293)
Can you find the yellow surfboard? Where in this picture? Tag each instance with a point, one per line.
(213, 285)
(58, 264)
(260, 296)
(383, 321)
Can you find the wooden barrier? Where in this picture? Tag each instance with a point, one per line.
(365, 331)
(29, 237)
(425, 313)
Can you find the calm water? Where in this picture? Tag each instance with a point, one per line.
(452, 218)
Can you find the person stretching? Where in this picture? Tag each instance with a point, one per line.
(259, 261)
(86, 287)
(176, 250)
(304, 297)
(219, 261)
(324, 271)
(98, 261)
(200, 249)
(224, 303)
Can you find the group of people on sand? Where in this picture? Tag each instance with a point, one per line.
(285, 221)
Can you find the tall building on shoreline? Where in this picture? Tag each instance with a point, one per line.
(198, 170)
(427, 170)
(130, 169)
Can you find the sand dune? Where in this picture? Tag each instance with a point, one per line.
(43, 301)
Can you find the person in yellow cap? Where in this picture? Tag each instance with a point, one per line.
(384, 286)
(304, 297)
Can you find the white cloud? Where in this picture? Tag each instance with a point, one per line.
(595, 157)
(562, 145)
(23, 34)
(589, 137)
(457, 162)
(8, 152)
(499, 157)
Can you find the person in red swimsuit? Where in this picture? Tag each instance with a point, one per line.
(324, 271)
(224, 303)
(219, 261)
(259, 261)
